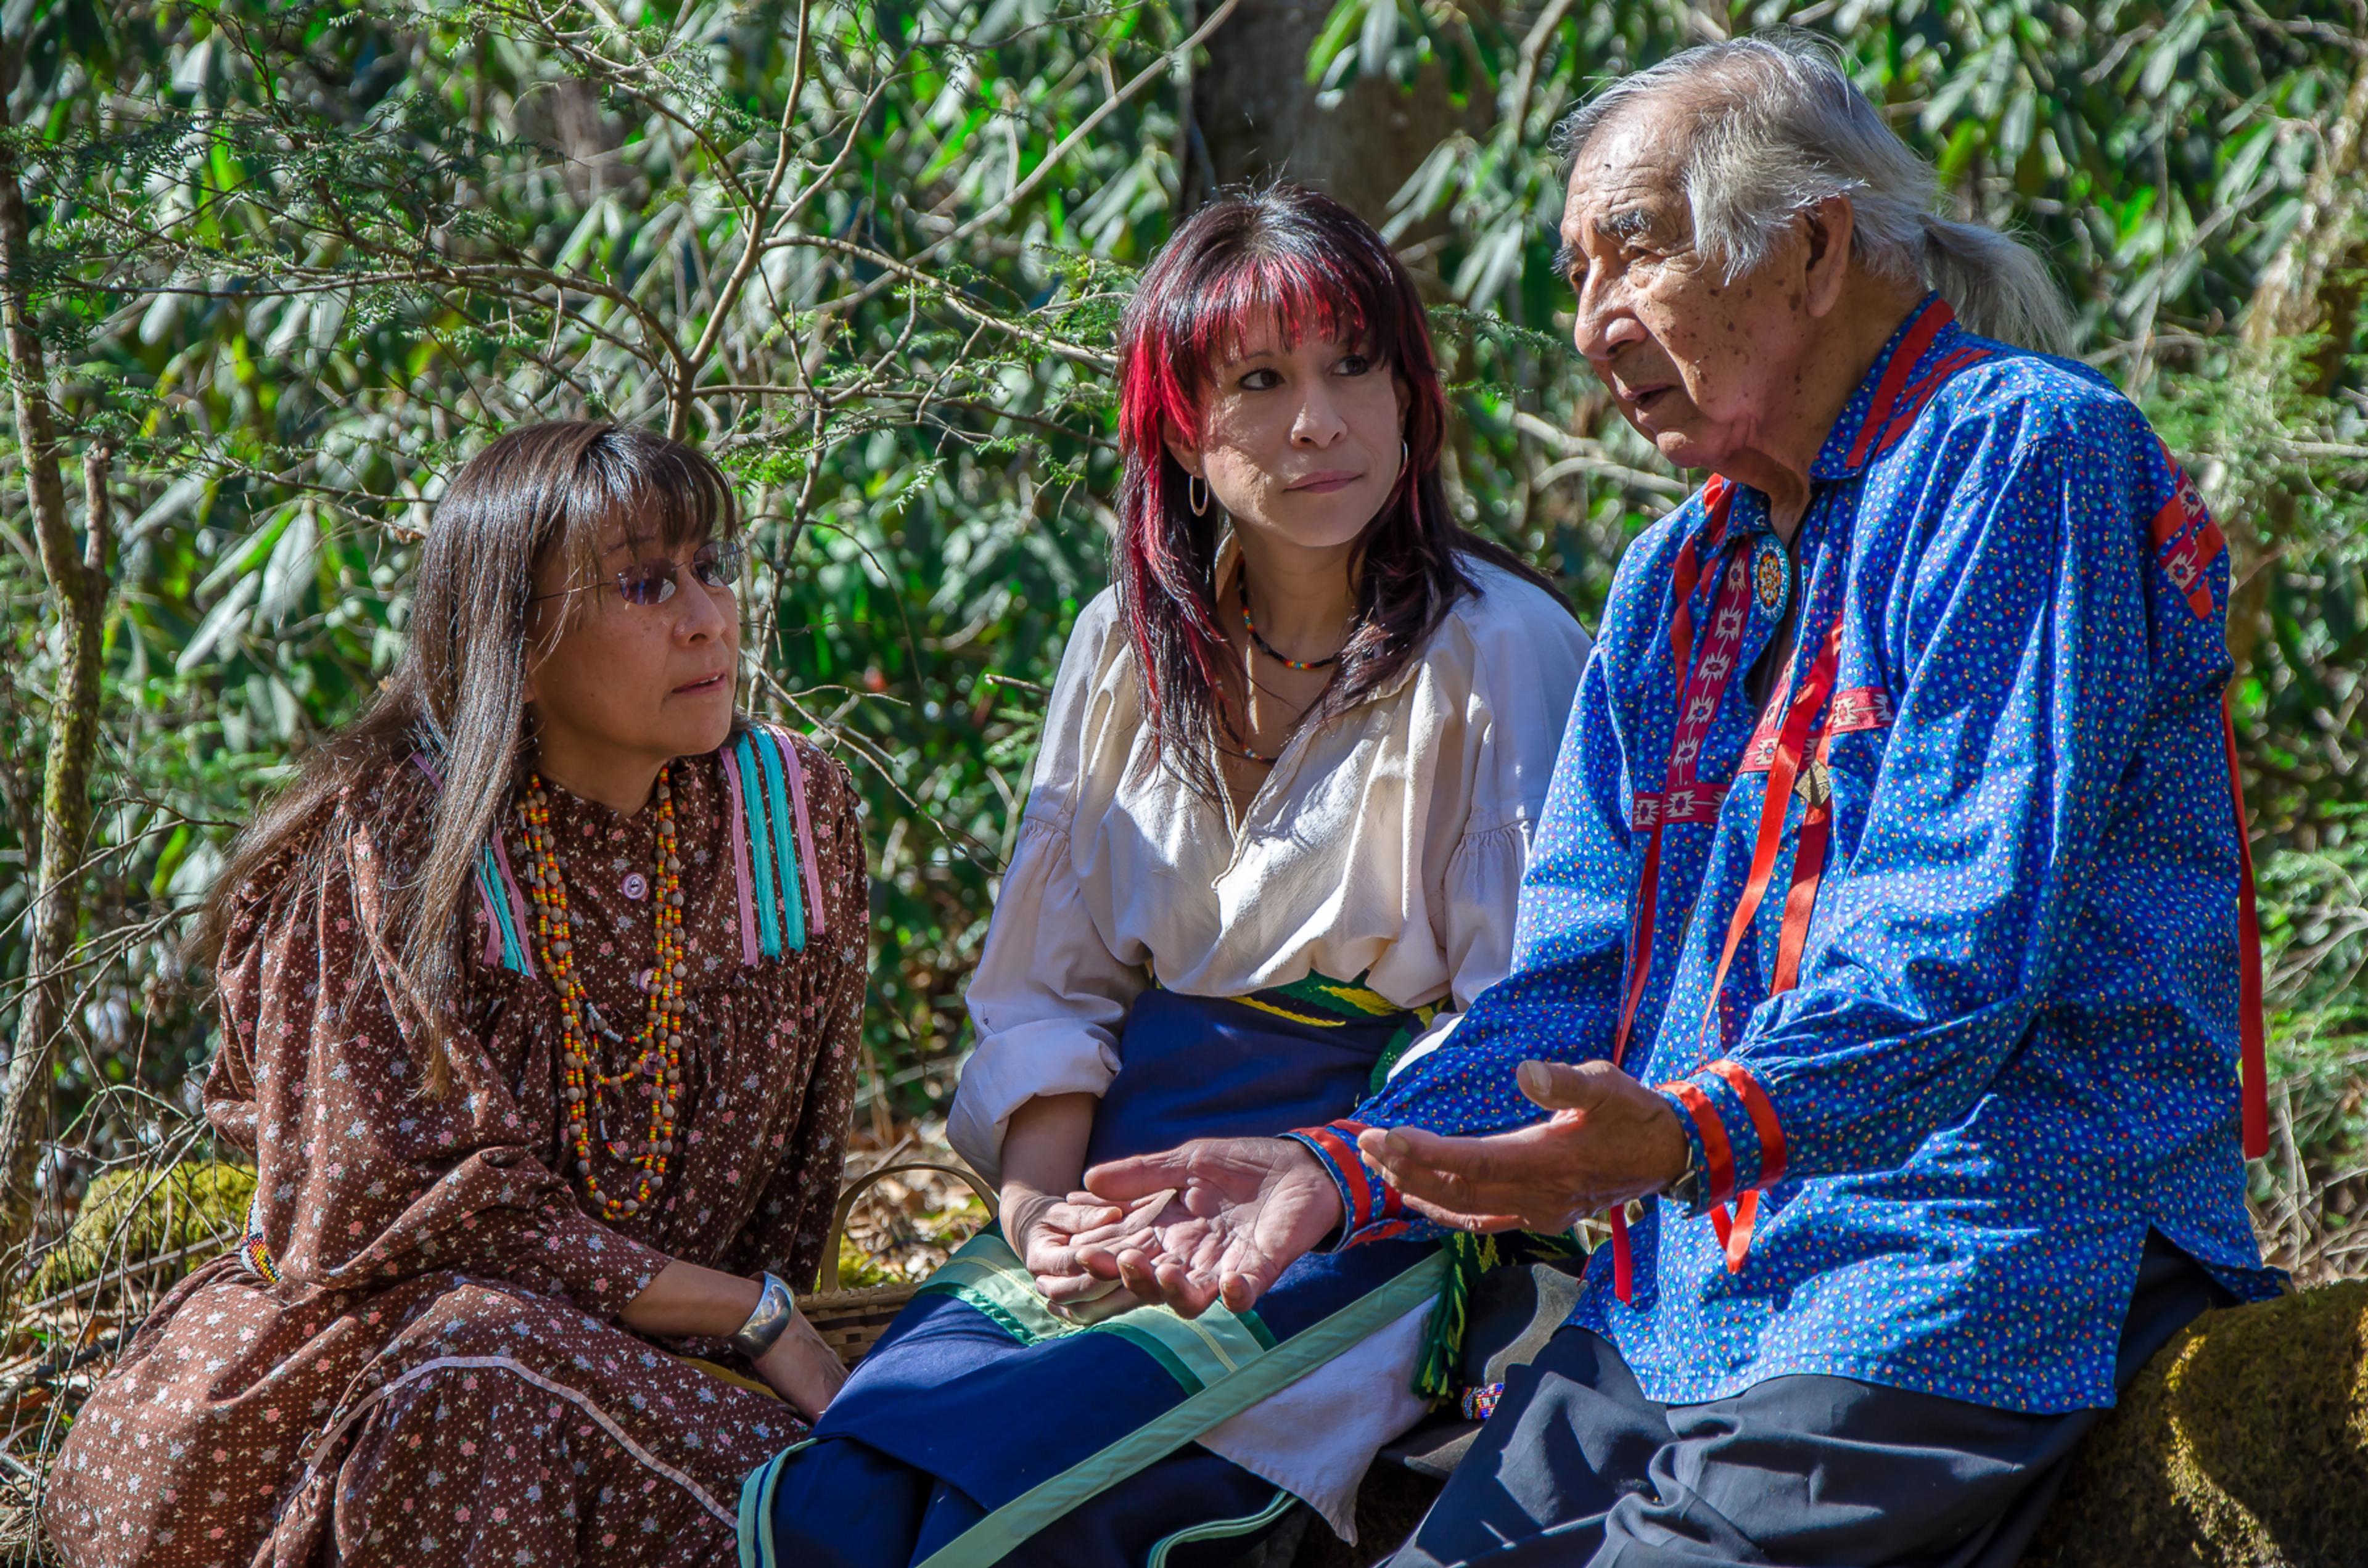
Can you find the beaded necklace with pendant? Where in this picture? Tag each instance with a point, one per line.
(656, 1070)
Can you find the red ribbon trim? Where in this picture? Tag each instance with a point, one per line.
(2253, 1050)
(1881, 407)
(1718, 497)
(1859, 708)
(1763, 1117)
(1808, 870)
(1782, 771)
(1914, 400)
(1734, 1234)
(1718, 1154)
(1363, 1210)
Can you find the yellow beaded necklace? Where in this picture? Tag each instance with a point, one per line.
(658, 1067)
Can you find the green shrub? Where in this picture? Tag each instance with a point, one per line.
(136, 1213)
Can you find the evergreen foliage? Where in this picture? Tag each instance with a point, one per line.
(293, 260)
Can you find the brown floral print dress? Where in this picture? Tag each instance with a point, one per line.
(436, 1378)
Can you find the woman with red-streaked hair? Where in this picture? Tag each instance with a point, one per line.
(1271, 850)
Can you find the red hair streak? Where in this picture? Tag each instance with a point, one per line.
(1297, 263)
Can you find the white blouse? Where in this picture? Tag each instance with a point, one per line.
(1388, 844)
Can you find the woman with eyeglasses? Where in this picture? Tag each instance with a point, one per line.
(540, 996)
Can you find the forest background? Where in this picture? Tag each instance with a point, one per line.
(270, 272)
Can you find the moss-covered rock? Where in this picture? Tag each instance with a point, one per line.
(2243, 1445)
(137, 1213)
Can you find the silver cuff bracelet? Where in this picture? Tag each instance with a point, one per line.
(774, 1313)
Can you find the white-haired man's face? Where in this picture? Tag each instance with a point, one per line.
(1709, 369)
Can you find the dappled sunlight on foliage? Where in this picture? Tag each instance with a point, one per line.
(293, 263)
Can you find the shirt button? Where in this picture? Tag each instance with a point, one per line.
(637, 886)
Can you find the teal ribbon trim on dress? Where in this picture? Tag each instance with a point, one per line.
(768, 925)
(977, 1279)
(1002, 1533)
(489, 877)
(785, 850)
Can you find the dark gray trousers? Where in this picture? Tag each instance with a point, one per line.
(1579, 1470)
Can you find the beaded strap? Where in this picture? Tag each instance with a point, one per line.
(253, 1249)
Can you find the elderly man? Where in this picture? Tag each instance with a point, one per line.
(1893, 841)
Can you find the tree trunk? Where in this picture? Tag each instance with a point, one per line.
(78, 584)
(1256, 118)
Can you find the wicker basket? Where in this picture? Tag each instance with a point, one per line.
(851, 1321)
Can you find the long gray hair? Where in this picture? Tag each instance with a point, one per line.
(1778, 127)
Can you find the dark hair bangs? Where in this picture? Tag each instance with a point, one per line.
(1221, 304)
(657, 495)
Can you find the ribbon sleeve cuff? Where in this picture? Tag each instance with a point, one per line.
(1370, 1206)
(1731, 1126)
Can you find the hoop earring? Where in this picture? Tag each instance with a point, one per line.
(1405, 457)
(1195, 491)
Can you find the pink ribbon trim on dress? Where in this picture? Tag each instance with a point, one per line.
(740, 857)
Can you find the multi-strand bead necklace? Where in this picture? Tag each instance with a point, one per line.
(1257, 640)
(656, 1070)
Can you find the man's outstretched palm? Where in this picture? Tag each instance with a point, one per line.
(1244, 1209)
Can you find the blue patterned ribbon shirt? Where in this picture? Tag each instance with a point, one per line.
(1944, 960)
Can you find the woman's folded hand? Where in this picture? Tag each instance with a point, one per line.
(1046, 1231)
(802, 1370)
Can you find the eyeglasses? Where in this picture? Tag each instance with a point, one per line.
(717, 565)
(647, 583)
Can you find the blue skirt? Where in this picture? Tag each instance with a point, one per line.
(984, 1428)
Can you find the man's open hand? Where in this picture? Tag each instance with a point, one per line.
(1610, 1139)
(1244, 1209)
